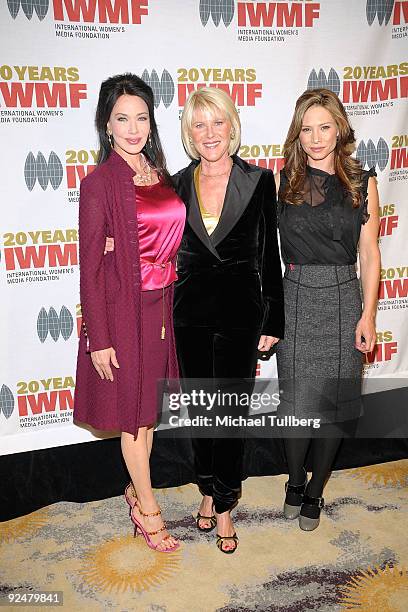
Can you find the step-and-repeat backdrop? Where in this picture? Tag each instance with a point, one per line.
(55, 53)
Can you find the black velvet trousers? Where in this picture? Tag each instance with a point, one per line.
(218, 354)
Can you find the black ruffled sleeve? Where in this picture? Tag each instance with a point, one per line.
(365, 215)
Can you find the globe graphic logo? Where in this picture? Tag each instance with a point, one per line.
(217, 9)
(28, 6)
(320, 80)
(163, 88)
(6, 401)
(372, 156)
(38, 169)
(53, 324)
(382, 9)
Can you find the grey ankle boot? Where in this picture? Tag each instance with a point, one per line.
(294, 495)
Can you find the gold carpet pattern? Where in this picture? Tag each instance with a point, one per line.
(357, 560)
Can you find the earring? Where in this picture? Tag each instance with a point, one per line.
(190, 140)
(150, 140)
(232, 135)
(338, 137)
(110, 138)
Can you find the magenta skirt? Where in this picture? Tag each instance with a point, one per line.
(155, 351)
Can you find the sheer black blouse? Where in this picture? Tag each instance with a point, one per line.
(325, 228)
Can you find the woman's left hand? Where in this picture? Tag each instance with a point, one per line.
(365, 335)
(109, 245)
(266, 342)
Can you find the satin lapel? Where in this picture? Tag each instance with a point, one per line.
(240, 189)
(187, 193)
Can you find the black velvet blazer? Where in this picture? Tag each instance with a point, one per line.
(231, 278)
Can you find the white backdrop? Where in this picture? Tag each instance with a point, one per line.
(55, 53)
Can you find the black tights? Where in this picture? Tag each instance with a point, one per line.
(324, 451)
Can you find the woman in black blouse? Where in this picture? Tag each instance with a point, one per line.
(328, 208)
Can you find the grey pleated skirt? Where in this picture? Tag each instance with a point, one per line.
(319, 368)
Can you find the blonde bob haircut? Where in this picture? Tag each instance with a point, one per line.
(213, 100)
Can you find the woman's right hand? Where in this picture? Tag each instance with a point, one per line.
(109, 245)
(101, 361)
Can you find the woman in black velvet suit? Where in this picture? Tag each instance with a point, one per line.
(228, 297)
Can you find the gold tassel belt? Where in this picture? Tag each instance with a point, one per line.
(163, 268)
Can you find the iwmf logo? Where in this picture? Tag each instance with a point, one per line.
(86, 11)
(394, 284)
(43, 171)
(6, 401)
(382, 9)
(41, 87)
(163, 88)
(40, 249)
(371, 155)
(78, 164)
(28, 6)
(362, 84)
(385, 9)
(257, 14)
(384, 348)
(55, 325)
(217, 9)
(320, 80)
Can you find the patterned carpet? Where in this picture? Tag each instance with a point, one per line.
(356, 560)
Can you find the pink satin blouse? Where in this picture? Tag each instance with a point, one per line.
(160, 218)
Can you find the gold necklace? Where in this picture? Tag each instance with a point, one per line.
(144, 177)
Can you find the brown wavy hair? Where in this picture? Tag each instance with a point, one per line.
(346, 168)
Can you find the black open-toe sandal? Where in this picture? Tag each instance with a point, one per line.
(220, 542)
(212, 519)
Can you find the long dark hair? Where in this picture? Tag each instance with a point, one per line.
(110, 91)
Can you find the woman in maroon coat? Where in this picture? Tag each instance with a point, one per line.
(127, 295)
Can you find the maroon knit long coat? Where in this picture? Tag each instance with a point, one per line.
(111, 300)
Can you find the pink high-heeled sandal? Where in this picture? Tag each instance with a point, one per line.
(146, 534)
(130, 491)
